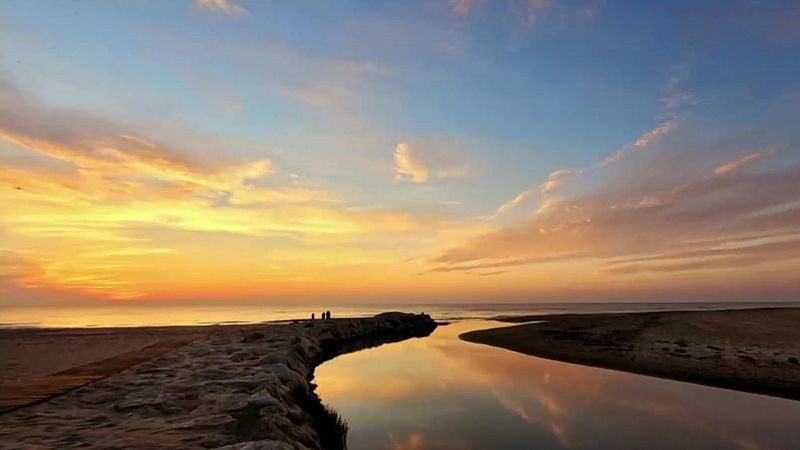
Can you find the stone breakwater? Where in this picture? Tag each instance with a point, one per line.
(238, 387)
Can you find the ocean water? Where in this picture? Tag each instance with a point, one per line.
(442, 393)
(154, 314)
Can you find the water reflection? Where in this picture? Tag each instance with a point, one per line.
(442, 393)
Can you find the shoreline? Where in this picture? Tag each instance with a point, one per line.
(753, 350)
(231, 387)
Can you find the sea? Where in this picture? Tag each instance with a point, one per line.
(138, 314)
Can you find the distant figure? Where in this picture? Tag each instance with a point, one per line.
(312, 317)
(327, 315)
(323, 315)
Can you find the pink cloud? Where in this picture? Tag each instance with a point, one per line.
(462, 7)
(657, 209)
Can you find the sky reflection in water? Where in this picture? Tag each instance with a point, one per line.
(442, 393)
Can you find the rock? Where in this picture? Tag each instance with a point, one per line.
(229, 402)
(250, 337)
(263, 399)
(206, 421)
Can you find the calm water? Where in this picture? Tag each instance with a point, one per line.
(144, 314)
(440, 393)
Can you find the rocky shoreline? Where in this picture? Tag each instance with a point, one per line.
(236, 387)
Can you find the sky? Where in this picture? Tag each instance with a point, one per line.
(418, 151)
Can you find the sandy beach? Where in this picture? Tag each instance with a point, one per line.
(233, 387)
(754, 350)
(40, 363)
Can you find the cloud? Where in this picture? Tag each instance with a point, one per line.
(88, 201)
(591, 10)
(332, 86)
(529, 12)
(321, 94)
(16, 266)
(94, 144)
(417, 164)
(675, 201)
(673, 97)
(644, 140)
(739, 164)
(462, 7)
(656, 206)
(406, 167)
(316, 81)
(536, 8)
(542, 193)
(223, 6)
(522, 197)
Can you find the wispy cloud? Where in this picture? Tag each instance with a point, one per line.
(462, 7)
(314, 80)
(418, 164)
(521, 198)
(647, 138)
(637, 212)
(673, 98)
(92, 185)
(222, 6)
(537, 8)
(673, 95)
(406, 168)
(543, 193)
(529, 12)
(738, 164)
(591, 10)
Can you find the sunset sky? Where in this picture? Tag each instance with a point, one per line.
(432, 151)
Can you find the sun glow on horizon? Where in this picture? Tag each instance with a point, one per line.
(380, 158)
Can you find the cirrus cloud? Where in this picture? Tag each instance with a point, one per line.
(661, 209)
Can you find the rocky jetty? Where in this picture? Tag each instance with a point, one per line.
(238, 387)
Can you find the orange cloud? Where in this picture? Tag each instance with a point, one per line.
(97, 206)
(739, 164)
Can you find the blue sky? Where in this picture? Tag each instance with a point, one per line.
(487, 99)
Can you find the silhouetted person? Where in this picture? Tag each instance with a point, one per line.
(328, 315)
(312, 317)
(323, 315)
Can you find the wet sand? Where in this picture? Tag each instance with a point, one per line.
(232, 387)
(754, 350)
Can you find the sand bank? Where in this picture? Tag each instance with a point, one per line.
(754, 350)
(230, 387)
